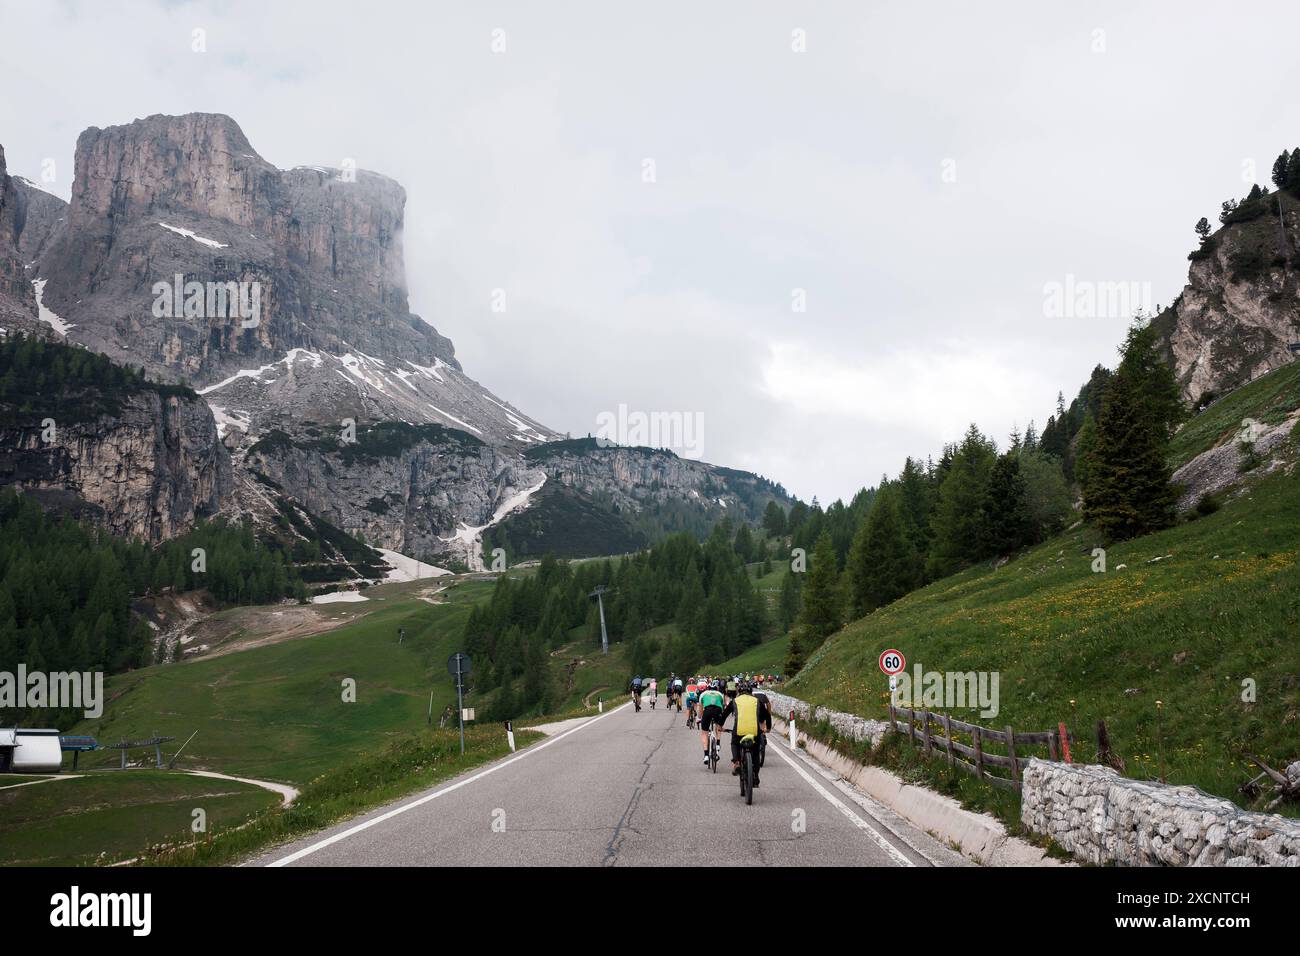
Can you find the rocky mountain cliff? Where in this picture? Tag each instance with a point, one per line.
(187, 253)
(1240, 308)
(17, 302)
(280, 295)
(144, 461)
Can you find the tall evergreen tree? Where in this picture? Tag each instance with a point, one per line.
(1128, 490)
(883, 564)
(1008, 522)
(774, 520)
(820, 616)
(958, 522)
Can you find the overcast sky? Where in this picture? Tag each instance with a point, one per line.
(921, 171)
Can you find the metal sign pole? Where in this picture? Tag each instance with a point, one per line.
(460, 705)
(604, 637)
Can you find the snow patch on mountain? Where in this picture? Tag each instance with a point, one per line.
(409, 569)
(190, 234)
(471, 537)
(45, 313)
(254, 373)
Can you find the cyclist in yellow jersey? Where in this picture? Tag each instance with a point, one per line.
(751, 716)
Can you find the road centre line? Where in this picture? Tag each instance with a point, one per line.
(366, 825)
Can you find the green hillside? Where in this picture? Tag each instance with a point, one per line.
(1269, 399)
(766, 658)
(276, 712)
(1183, 616)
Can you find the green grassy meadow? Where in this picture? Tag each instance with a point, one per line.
(277, 712)
(108, 816)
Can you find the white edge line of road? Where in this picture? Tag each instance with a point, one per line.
(894, 852)
(353, 831)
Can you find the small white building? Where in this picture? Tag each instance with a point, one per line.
(25, 750)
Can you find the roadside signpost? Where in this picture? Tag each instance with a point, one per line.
(892, 663)
(459, 665)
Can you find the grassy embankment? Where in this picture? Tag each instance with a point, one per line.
(1194, 617)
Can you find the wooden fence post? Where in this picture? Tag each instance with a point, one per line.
(1011, 751)
(1051, 745)
(925, 732)
(947, 734)
(893, 722)
(977, 736)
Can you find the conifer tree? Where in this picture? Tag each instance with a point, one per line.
(1008, 521)
(820, 616)
(1128, 489)
(958, 521)
(883, 564)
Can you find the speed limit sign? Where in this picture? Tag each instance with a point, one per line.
(892, 662)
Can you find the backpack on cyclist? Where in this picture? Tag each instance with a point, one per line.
(746, 715)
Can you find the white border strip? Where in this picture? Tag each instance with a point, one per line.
(352, 831)
(894, 852)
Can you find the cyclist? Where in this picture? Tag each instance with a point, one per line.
(678, 688)
(692, 697)
(750, 718)
(654, 692)
(635, 687)
(764, 706)
(711, 704)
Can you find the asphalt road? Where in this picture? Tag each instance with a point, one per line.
(624, 789)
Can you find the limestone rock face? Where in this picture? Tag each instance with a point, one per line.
(148, 472)
(1241, 306)
(17, 303)
(188, 195)
(634, 478)
(280, 296)
(420, 491)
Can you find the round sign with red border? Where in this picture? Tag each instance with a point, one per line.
(892, 662)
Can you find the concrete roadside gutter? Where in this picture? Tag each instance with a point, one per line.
(977, 836)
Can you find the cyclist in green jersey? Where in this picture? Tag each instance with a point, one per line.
(711, 705)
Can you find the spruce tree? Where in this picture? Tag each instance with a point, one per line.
(883, 563)
(1280, 168)
(958, 521)
(820, 616)
(1008, 521)
(1128, 490)
(774, 520)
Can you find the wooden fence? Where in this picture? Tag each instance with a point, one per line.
(916, 726)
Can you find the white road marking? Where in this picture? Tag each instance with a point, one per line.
(352, 831)
(894, 852)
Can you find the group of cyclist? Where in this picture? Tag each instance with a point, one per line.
(710, 702)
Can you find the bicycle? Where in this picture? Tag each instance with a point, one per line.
(748, 747)
(713, 754)
(690, 719)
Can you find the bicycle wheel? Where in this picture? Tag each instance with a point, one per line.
(713, 756)
(747, 772)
